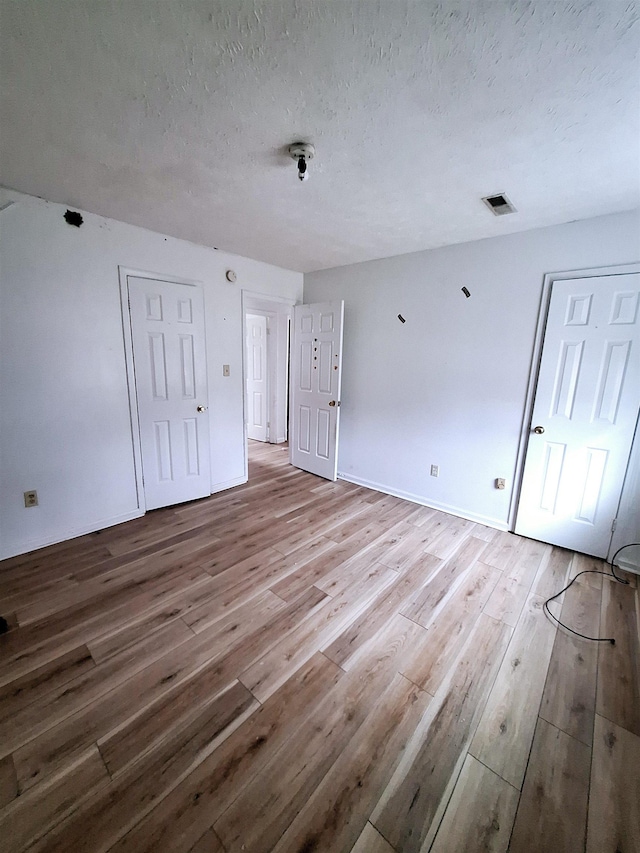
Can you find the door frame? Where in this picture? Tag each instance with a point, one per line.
(272, 307)
(534, 370)
(136, 445)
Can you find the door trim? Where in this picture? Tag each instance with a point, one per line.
(536, 357)
(136, 446)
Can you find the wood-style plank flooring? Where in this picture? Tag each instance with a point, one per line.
(302, 666)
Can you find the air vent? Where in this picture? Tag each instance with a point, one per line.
(499, 204)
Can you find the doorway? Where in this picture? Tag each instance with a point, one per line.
(303, 386)
(266, 367)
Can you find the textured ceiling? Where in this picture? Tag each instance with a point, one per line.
(176, 114)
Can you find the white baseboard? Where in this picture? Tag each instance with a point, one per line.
(72, 533)
(417, 499)
(628, 566)
(228, 484)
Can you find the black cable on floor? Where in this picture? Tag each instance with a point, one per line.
(613, 568)
(573, 580)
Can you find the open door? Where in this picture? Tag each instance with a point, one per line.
(316, 371)
(584, 415)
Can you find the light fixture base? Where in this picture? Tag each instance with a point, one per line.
(302, 149)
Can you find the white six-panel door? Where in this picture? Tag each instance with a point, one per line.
(167, 327)
(257, 377)
(316, 367)
(585, 412)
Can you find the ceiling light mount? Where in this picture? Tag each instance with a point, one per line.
(302, 152)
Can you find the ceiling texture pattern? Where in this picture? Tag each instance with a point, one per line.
(176, 115)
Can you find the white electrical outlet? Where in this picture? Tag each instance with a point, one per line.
(500, 483)
(435, 471)
(31, 498)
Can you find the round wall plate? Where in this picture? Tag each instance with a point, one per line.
(301, 149)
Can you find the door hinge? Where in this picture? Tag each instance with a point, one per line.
(614, 524)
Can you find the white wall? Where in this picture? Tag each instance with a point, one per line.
(64, 409)
(448, 387)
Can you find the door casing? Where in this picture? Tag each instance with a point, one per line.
(536, 358)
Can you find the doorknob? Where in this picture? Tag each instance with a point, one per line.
(201, 409)
(333, 403)
(538, 430)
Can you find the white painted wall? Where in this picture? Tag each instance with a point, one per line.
(64, 411)
(448, 387)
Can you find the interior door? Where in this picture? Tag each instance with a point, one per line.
(167, 327)
(585, 412)
(316, 368)
(257, 377)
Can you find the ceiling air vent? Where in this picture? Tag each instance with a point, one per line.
(499, 204)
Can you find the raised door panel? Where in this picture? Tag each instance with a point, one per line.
(567, 376)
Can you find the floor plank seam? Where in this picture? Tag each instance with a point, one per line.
(618, 724)
(102, 758)
(491, 770)
(194, 633)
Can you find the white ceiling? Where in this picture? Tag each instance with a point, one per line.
(176, 115)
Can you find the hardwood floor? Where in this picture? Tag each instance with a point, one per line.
(301, 666)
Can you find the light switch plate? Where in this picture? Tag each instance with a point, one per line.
(225, 370)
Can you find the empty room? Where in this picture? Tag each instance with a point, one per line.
(374, 587)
